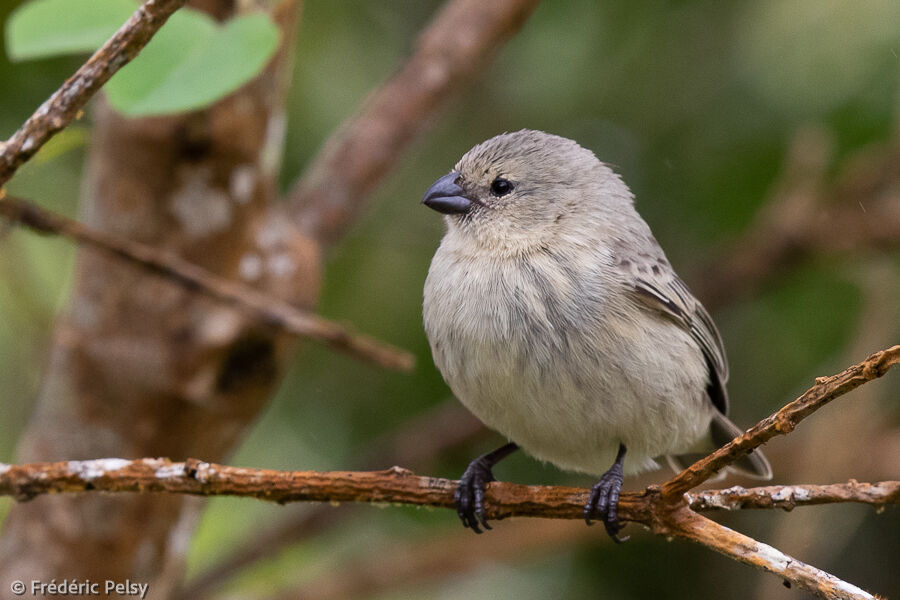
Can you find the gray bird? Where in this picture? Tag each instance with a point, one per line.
(555, 317)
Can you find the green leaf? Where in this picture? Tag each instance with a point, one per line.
(42, 28)
(174, 43)
(189, 65)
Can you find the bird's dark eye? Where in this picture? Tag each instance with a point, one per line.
(501, 187)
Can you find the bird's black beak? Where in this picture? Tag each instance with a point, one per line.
(445, 196)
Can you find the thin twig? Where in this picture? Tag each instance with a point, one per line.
(788, 497)
(267, 309)
(877, 325)
(824, 391)
(449, 53)
(63, 106)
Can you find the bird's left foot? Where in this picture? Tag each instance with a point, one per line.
(603, 502)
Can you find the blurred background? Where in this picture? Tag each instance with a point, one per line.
(709, 110)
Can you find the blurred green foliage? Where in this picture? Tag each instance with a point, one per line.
(692, 101)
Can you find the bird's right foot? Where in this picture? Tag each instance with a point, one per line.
(469, 495)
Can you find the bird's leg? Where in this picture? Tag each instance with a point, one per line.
(604, 499)
(469, 496)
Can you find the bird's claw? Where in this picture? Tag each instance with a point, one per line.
(603, 502)
(469, 495)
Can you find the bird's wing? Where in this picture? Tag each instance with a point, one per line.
(658, 287)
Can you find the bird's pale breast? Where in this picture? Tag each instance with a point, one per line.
(529, 346)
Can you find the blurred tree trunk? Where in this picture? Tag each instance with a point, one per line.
(142, 367)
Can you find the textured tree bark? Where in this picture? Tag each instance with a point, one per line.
(141, 366)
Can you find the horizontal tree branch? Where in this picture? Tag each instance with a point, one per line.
(268, 309)
(400, 486)
(66, 102)
(397, 486)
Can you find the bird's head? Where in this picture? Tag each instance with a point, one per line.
(518, 190)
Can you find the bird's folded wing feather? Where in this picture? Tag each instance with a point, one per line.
(663, 291)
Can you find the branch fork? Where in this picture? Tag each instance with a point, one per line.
(668, 509)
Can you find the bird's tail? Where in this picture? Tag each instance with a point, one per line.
(722, 431)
